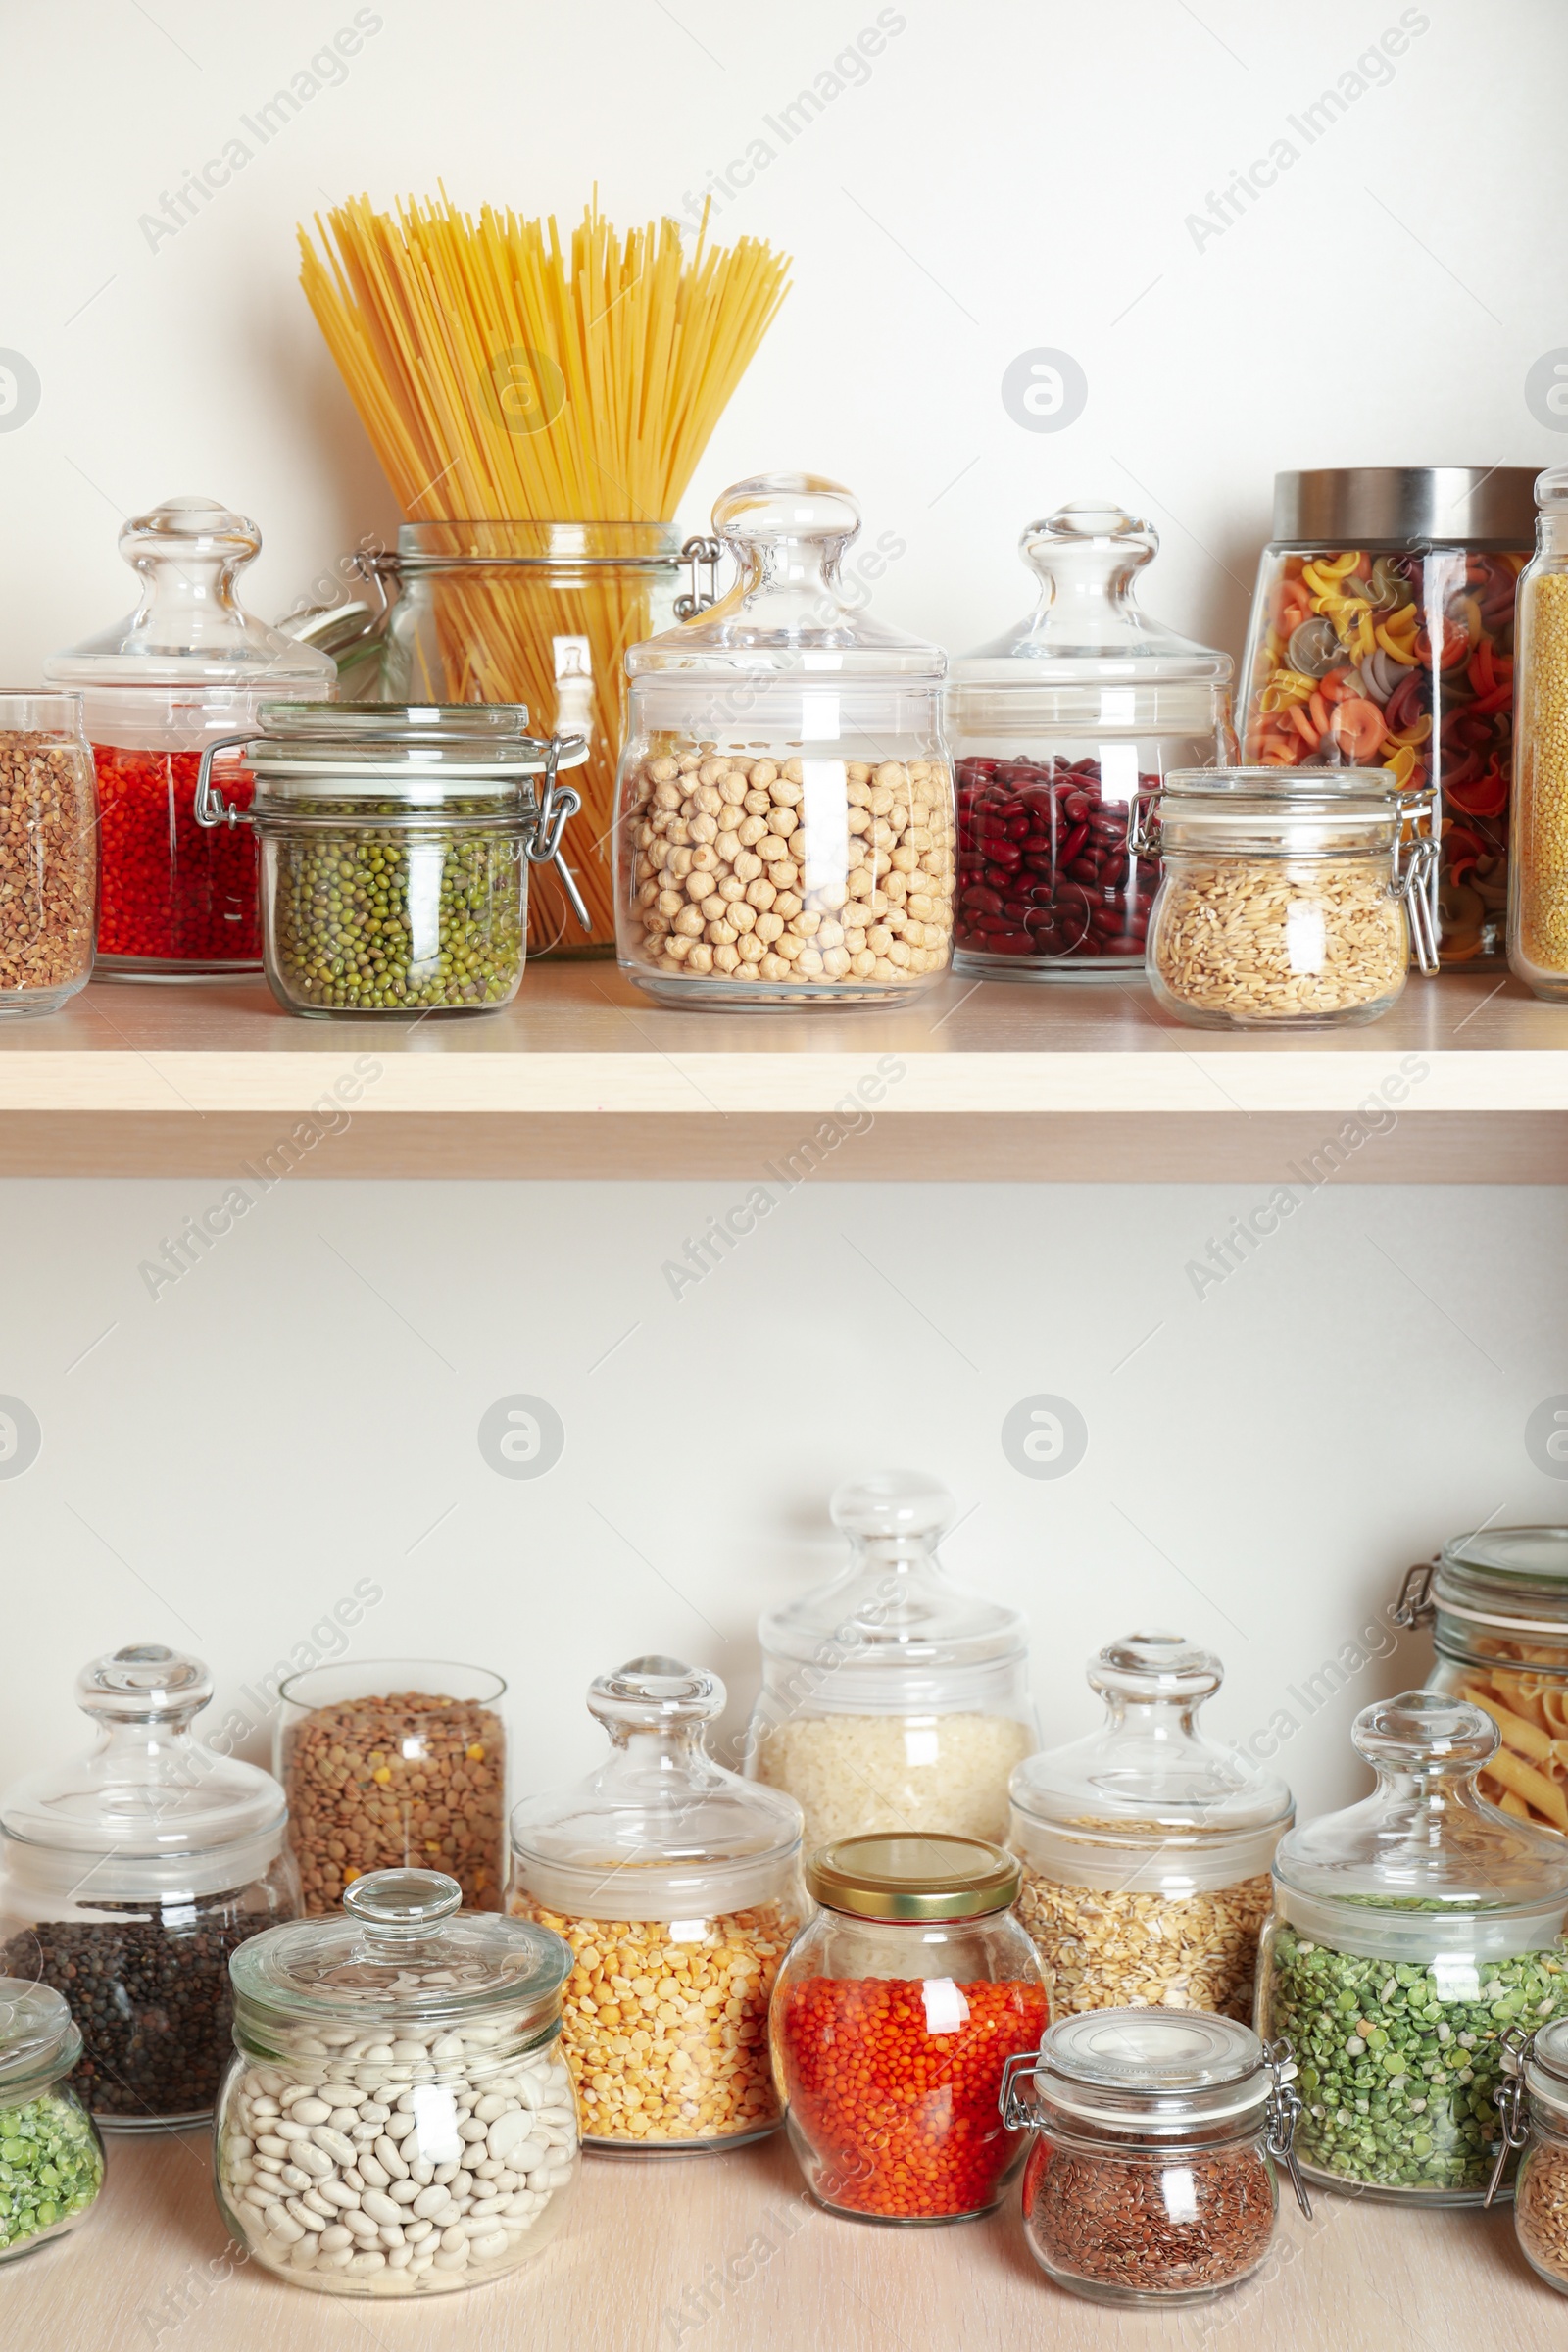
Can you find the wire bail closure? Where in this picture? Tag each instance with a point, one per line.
(1509, 2100)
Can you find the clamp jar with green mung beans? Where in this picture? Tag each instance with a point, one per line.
(396, 842)
(1411, 1934)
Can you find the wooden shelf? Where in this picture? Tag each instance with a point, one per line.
(1467, 1079)
(153, 2267)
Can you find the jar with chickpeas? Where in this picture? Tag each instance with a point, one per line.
(676, 1887)
(785, 826)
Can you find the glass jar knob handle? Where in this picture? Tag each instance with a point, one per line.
(211, 810)
(1509, 2100)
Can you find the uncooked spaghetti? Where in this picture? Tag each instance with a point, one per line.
(503, 379)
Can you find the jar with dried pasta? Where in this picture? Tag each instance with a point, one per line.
(1289, 900)
(784, 828)
(892, 1700)
(1497, 1604)
(678, 1887)
(1146, 1848)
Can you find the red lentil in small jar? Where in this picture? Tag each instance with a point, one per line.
(1056, 726)
(892, 2022)
(189, 667)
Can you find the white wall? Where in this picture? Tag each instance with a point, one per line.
(223, 1465)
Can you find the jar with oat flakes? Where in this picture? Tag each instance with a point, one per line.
(1147, 1847)
(1285, 902)
(677, 1886)
(784, 829)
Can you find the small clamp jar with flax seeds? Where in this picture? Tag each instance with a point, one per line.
(1285, 902)
(1151, 2180)
(784, 826)
(1146, 1848)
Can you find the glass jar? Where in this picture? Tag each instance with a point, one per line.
(1408, 1933)
(1382, 636)
(893, 2018)
(396, 845)
(394, 1761)
(1055, 728)
(1537, 901)
(1284, 904)
(784, 819)
(678, 1887)
(1497, 1604)
(48, 851)
(129, 1874)
(891, 1699)
(398, 2120)
(190, 666)
(51, 2157)
(540, 614)
(1532, 2103)
(1151, 2182)
(1146, 1848)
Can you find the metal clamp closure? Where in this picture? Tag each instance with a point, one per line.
(1282, 2115)
(211, 810)
(558, 802)
(1018, 2110)
(1415, 1605)
(1143, 823)
(1509, 2100)
(699, 555)
(1415, 864)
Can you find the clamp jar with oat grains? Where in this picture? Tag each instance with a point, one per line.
(1286, 904)
(677, 1886)
(1410, 1933)
(1532, 2104)
(1146, 1848)
(1497, 1604)
(784, 828)
(1151, 2178)
(891, 1698)
(398, 2120)
(1538, 872)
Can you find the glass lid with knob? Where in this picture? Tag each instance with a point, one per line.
(1146, 2068)
(147, 1798)
(660, 1829)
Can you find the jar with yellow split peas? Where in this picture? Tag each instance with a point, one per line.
(677, 1886)
(1498, 1605)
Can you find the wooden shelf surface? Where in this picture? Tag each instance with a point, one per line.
(648, 2240)
(1465, 1081)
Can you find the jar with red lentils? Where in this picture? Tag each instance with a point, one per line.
(892, 2021)
(189, 667)
(676, 1885)
(1055, 728)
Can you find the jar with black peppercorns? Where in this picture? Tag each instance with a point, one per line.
(128, 1876)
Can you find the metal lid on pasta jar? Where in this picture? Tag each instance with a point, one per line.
(1148, 2068)
(912, 1876)
(39, 2039)
(1394, 506)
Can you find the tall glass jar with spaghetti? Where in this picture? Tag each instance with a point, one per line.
(1498, 1605)
(1383, 636)
(189, 667)
(784, 830)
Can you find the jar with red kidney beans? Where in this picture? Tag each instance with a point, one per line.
(1058, 726)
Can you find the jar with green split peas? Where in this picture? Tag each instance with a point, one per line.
(396, 848)
(1410, 1933)
(51, 2158)
(129, 1874)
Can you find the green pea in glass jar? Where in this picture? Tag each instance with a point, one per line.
(1410, 1932)
(51, 2157)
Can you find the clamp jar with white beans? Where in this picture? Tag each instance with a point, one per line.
(398, 2120)
(1286, 904)
(784, 828)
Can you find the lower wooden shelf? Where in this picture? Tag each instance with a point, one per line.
(727, 2254)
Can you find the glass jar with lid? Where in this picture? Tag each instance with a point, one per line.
(396, 845)
(676, 1885)
(129, 1874)
(48, 852)
(784, 819)
(891, 1698)
(51, 2157)
(398, 2120)
(1532, 2103)
(1497, 1604)
(1146, 1848)
(893, 2020)
(1055, 728)
(1151, 2180)
(1382, 637)
(1286, 902)
(1408, 1933)
(190, 666)
(1538, 900)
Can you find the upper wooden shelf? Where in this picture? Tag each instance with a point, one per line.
(1465, 1081)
